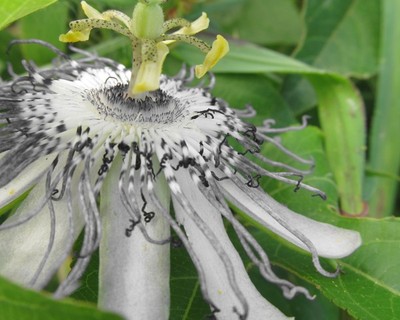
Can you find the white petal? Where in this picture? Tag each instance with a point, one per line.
(22, 248)
(134, 274)
(329, 241)
(26, 179)
(216, 278)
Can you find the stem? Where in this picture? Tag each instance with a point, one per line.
(384, 154)
(341, 113)
(136, 62)
(134, 274)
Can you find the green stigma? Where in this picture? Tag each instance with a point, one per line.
(147, 20)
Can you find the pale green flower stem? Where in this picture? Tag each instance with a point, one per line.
(384, 151)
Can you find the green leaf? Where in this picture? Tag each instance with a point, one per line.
(13, 205)
(89, 288)
(13, 10)
(257, 90)
(5, 38)
(187, 302)
(223, 14)
(299, 94)
(259, 21)
(19, 303)
(342, 36)
(45, 25)
(384, 149)
(269, 22)
(246, 58)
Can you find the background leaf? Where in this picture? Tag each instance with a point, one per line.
(21, 304)
(260, 90)
(246, 58)
(13, 10)
(249, 19)
(384, 150)
(45, 25)
(342, 36)
(187, 302)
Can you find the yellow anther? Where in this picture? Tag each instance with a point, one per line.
(219, 49)
(196, 26)
(75, 36)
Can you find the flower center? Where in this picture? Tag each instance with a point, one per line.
(156, 109)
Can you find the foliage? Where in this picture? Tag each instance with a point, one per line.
(288, 58)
